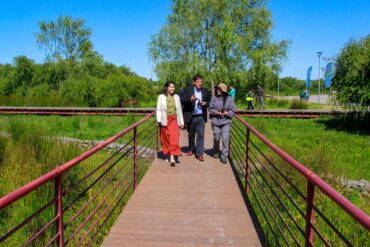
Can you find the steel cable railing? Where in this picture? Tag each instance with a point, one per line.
(81, 208)
(273, 182)
(278, 185)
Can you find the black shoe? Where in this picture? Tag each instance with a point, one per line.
(172, 160)
(216, 155)
(224, 160)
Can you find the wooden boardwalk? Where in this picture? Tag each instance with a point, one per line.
(193, 204)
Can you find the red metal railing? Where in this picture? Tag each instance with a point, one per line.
(83, 203)
(275, 184)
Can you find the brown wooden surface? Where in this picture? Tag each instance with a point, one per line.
(193, 204)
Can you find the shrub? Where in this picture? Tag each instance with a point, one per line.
(298, 104)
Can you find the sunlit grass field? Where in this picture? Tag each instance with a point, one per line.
(27, 152)
(324, 145)
(335, 148)
(81, 127)
(274, 103)
(320, 146)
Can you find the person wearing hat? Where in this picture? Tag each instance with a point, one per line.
(221, 109)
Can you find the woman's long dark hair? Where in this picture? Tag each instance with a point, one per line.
(166, 85)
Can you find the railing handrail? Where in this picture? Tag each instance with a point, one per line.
(25, 189)
(343, 202)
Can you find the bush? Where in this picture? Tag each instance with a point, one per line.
(39, 90)
(78, 92)
(352, 74)
(298, 104)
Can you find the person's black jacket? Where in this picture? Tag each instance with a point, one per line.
(188, 106)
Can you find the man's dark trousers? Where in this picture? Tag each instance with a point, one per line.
(197, 126)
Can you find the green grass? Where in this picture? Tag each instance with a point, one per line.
(273, 103)
(337, 146)
(80, 127)
(25, 155)
(58, 101)
(316, 146)
(15, 100)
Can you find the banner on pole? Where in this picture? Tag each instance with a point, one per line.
(329, 74)
(308, 80)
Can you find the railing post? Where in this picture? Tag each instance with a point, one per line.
(59, 210)
(247, 161)
(309, 214)
(135, 157)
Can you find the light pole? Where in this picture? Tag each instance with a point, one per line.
(319, 54)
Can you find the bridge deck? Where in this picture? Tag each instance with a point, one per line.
(193, 204)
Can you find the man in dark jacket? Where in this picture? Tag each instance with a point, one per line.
(195, 100)
(260, 95)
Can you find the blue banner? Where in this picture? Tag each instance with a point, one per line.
(308, 80)
(329, 74)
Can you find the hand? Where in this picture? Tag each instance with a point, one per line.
(193, 98)
(204, 103)
(182, 126)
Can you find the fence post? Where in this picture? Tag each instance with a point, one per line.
(309, 236)
(247, 161)
(59, 210)
(135, 157)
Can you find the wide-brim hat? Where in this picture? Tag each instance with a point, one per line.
(223, 87)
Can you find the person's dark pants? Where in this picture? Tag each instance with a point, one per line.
(196, 126)
(250, 105)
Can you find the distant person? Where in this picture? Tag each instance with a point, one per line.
(307, 94)
(260, 95)
(169, 119)
(221, 109)
(232, 92)
(249, 98)
(195, 99)
(304, 95)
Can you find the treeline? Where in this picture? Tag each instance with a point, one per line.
(73, 74)
(292, 86)
(88, 82)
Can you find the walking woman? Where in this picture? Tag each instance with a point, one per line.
(221, 109)
(169, 119)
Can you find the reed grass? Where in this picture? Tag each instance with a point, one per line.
(320, 149)
(26, 154)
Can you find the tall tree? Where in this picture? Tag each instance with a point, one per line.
(24, 71)
(226, 40)
(351, 80)
(66, 38)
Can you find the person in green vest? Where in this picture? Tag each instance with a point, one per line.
(249, 98)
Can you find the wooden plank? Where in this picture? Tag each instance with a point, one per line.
(193, 204)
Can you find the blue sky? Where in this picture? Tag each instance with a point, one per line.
(122, 28)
